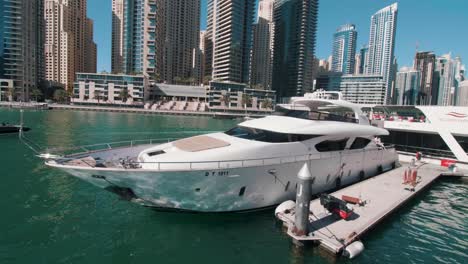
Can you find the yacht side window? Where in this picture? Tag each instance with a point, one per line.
(155, 153)
(267, 136)
(360, 143)
(331, 145)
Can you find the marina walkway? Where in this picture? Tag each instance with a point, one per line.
(382, 195)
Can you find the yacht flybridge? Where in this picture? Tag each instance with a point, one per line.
(251, 166)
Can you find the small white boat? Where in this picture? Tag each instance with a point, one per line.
(252, 166)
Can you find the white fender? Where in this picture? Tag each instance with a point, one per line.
(288, 205)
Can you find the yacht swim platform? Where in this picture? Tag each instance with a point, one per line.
(382, 195)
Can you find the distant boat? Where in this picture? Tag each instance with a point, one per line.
(8, 128)
(224, 116)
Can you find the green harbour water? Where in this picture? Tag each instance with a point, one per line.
(48, 216)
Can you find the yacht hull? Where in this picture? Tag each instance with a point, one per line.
(233, 189)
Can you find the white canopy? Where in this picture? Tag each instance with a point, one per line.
(291, 125)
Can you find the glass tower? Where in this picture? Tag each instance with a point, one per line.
(138, 41)
(22, 45)
(382, 45)
(294, 45)
(229, 34)
(344, 49)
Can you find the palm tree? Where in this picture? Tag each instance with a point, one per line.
(98, 95)
(267, 104)
(124, 95)
(60, 95)
(177, 80)
(36, 94)
(191, 80)
(10, 93)
(258, 86)
(69, 94)
(225, 99)
(246, 100)
(207, 79)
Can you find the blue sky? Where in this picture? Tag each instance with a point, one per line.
(437, 25)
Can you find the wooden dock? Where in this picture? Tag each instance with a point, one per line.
(382, 195)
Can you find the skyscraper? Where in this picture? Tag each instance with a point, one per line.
(459, 77)
(445, 67)
(229, 34)
(157, 38)
(117, 35)
(362, 65)
(262, 51)
(135, 39)
(424, 62)
(294, 46)
(407, 86)
(382, 46)
(21, 45)
(177, 38)
(90, 48)
(199, 61)
(344, 49)
(463, 94)
(67, 39)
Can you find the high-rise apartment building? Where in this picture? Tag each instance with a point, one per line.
(199, 59)
(424, 62)
(294, 46)
(324, 66)
(407, 86)
(229, 39)
(359, 89)
(117, 36)
(177, 38)
(208, 44)
(262, 51)
(21, 46)
(445, 67)
(361, 65)
(67, 33)
(357, 63)
(382, 45)
(463, 94)
(344, 49)
(136, 37)
(157, 38)
(90, 48)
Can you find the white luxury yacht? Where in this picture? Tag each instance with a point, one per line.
(438, 132)
(253, 165)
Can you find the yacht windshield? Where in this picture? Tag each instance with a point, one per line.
(267, 136)
(325, 116)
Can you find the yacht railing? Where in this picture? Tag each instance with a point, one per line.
(425, 151)
(88, 149)
(130, 163)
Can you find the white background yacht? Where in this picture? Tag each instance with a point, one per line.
(438, 132)
(252, 166)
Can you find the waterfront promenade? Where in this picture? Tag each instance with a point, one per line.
(126, 109)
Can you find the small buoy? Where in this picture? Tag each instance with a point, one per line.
(354, 249)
